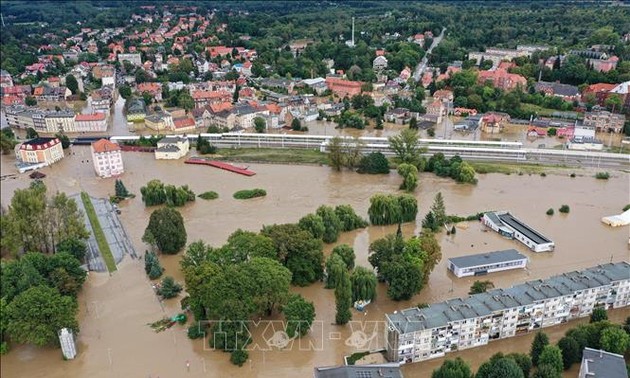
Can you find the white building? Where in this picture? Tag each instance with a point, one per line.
(484, 263)
(172, 147)
(60, 121)
(107, 158)
(507, 225)
(420, 334)
(133, 58)
(379, 63)
(602, 364)
(96, 122)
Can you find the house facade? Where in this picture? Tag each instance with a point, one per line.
(96, 122)
(107, 158)
(60, 121)
(41, 151)
(605, 121)
(343, 88)
(421, 334)
(172, 147)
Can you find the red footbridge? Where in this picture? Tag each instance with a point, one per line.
(220, 165)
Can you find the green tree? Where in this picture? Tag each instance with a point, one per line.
(406, 147)
(166, 230)
(499, 366)
(296, 125)
(332, 224)
(239, 357)
(72, 84)
(120, 189)
(63, 138)
(31, 133)
(4, 322)
(599, 314)
(570, 350)
(374, 163)
(298, 250)
(335, 268)
(430, 223)
(363, 283)
(346, 253)
(7, 141)
(36, 315)
(30, 101)
(152, 266)
(270, 283)
(299, 314)
(614, 103)
(336, 158)
(75, 247)
(169, 288)
(439, 210)
(552, 356)
(546, 371)
(245, 245)
(523, 361)
(314, 224)
(349, 219)
(410, 177)
(389, 209)
(413, 123)
(480, 287)
(343, 299)
(125, 91)
(614, 340)
(456, 368)
(552, 131)
(466, 174)
(538, 344)
(260, 125)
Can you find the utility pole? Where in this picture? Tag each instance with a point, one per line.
(2, 18)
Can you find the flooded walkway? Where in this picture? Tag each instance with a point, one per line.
(116, 342)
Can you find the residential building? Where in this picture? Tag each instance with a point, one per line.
(502, 79)
(224, 119)
(5, 79)
(245, 115)
(605, 121)
(623, 90)
(154, 89)
(507, 225)
(565, 91)
(172, 147)
(399, 116)
(107, 158)
(101, 100)
(359, 371)
(184, 124)
(203, 98)
(136, 110)
(379, 63)
(437, 110)
(420, 334)
(60, 121)
(599, 90)
(106, 73)
(443, 95)
(602, 364)
(484, 263)
(51, 94)
(40, 151)
(343, 88)
(21, 117)
(134, 59)
(492, 123)
(499, 55)
(159, 121)
(95, 122)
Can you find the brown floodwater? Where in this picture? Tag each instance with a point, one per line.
(116, 342)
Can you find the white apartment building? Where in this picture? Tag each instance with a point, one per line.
(107, 158)
(133, 58)
(420, 334)
(484, 263)
(96, 122)
(60, 121)
(172, 147)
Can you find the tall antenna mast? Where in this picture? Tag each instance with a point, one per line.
(2, 18)
(352, 31)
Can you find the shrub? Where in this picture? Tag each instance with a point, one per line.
(250, 193)
(602, 175)
(564, 209)
(572, 175)
(626, 208)
(152, 266)
(239, 357)
(374, 163)
(431, 132)
(550, 212)
(543, 174)
(210, 195)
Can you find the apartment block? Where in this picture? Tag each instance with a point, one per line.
(420, 334)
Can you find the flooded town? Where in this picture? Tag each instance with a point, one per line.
(486, 226)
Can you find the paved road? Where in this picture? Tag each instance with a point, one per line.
(119, 242)
(417, 75)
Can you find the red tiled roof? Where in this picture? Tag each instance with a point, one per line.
(90, 117)
(600, 87)
(103, 145)
(183, 122)
(221, 106)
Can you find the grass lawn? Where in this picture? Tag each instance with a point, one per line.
(506, 168)
(271, 155)
(103, 246)
(545, 112)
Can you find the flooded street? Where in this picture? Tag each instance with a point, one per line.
(116, 342)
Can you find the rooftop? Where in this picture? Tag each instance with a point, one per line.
(603, 364)
(487, 258)
(359, 371)
(103, 145)
(524, 229)
(440, 314)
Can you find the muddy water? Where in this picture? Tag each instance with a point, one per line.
(115, 341)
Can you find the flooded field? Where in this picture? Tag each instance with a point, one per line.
(116, 342)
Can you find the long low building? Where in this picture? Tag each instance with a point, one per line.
(484, 263)
(509, 226)
(420, 334)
